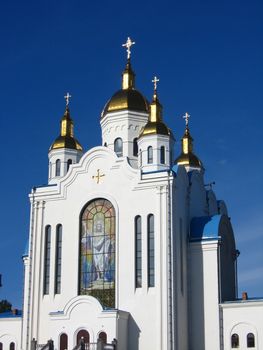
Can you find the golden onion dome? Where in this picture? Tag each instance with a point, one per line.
(187, 157)
(128, 97)
(66, 138)
(155, 124)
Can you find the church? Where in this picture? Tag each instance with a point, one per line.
(128, 248)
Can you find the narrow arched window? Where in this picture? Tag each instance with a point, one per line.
(97, 252)
(12, 346)
(135, 147)
(1, 346)
(84, 336)
(105, 144)
(162, 155)
(69, 162)
(58, 165)
(234, 341)
(58, 259)
(118, 147)
(63, 341)
(150, 155)
(151, 257)
(250, 340)
(138, 251)
(47, 248)
(103, 337)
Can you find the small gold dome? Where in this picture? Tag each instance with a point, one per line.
(187, 157)
(128, 97)
(66, 138)
(155, 124)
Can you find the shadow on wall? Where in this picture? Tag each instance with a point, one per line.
(133, 334)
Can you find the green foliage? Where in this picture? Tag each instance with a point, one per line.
(5, 306)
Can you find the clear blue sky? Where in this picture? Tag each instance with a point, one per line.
(208, 56)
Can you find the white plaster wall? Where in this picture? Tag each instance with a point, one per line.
(122, 186)
(203, 296)
(242, 317)
(10, 331)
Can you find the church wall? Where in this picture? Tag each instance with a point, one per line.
(242, 318)
(10, 331)
(65, 208)
(180, 251)
(203, 296)
(198, 201)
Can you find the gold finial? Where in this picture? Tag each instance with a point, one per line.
(67, 97)
(186, 117)
(155, 81)
(128, 45)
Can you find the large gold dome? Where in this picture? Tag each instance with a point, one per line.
(130, 99)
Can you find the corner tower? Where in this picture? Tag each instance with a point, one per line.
(65, 150)
(124, 115)
(156, 140)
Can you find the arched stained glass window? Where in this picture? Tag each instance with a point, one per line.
(234, 341)
(58, 165)
(118, 147)
(58, 259)
(250, 340)
(47, 259)
(150, 155)
(97, 251)
(63, 344)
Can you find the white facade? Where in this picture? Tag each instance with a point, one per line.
(157, 273)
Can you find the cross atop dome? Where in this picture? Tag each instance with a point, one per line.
(155, 81)
(67, 98)
(128, 45)
(186, 117)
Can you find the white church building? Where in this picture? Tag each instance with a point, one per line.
(128, 248)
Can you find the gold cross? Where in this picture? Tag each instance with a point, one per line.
(128, 45)
(155, 81)
(67, 97)
(98, 176)
(186, 117)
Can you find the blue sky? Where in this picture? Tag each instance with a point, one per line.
(208, 56)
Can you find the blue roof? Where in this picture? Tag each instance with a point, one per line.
(205, 228)
(9, 314)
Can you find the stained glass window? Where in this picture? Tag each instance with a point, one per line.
(47, 259)
(151, 255)
(58, 259)
(138, 252)
(97, 252)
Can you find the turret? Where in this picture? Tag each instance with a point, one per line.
(65, 150)
(124, 115)
(187, 157)
(156, 140)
